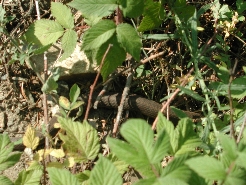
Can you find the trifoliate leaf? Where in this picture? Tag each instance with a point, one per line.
(30, 139)
(62, 14)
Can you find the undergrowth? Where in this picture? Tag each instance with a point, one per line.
(208, 151)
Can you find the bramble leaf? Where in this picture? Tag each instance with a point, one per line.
(105, 172)
(5, 180)
(99, 8)
(44, 32)
(207, 167)
(80, 141)
(68, 43)
(114, 58)
(30, 177)
(62, 14)
(129, 40)
(132, 8)
(97, 35)
(61, 177)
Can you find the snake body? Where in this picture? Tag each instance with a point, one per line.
(145, 106)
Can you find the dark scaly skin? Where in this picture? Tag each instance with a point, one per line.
(145, 106)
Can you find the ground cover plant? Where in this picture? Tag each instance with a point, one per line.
(197, 51)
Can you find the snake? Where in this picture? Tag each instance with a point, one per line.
(133, 102)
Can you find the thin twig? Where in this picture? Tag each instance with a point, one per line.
(122, 101)
(172, 97)
(95, 82)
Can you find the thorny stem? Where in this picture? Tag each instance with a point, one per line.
(95, 82)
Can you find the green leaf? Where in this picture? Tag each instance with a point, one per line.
(99, 8)
(41, 49)
(133, 131)
(75, 105)
(207, 167)
(179, 113)
(105, 172)
(151, 14)
(241, 6)
(132, 8)
(163, 123)
(161, 146)
(83, 177)
(80, 141)
(119, 164)
(6, 158)
(158, 36)
(62, 14)
(240, 161)
(183, 11)
(129, 39)
(44, 32)
(191, 93)
(50, 83)
(97, 35)
(187, 138)
(6, 146)
(61, 177)
(136, 159)
(5, 180)
(74, 93)
(238, 88)
(2, 12)
(68, 43)
(11, 160)
(31, 177)
(114, 58)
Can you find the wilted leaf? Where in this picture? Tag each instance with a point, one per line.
(64, 103)
(30, 139)
(58, 153)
